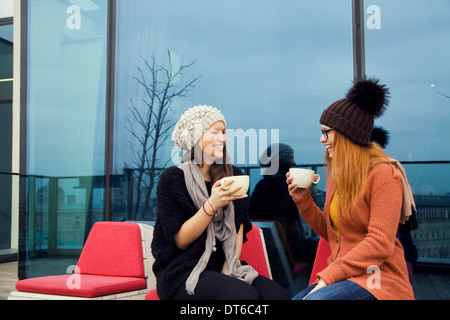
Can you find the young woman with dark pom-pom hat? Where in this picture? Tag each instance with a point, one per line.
(363, 204)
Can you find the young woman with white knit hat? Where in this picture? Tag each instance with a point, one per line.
(200, 227)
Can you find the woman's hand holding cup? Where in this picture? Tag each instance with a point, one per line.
(295, 192)
(223, 192)
(303, 176)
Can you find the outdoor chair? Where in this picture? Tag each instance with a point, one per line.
(253, 253)
(115, 263)
(320, 262)
(297, 267)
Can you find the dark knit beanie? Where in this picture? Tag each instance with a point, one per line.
(354, 115)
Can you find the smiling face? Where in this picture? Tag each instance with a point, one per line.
(213, 142)
(327, 138)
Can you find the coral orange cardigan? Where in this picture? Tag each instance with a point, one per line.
(367, 251)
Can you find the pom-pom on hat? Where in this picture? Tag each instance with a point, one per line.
(380, 136)
(354, 115)
(193, 124)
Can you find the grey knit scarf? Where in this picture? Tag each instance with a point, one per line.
(222, 227)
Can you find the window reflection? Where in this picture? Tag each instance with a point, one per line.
(6, 80)
(66, 116)
(265, 66)
(410, 53)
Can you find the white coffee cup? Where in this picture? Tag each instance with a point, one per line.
(304, 177)
(238, 181)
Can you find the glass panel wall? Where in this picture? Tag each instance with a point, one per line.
(431, 185)
(6, 80)
(5, 176)
(271, 69)
(407, 47)
(66, 128)
(6, 61)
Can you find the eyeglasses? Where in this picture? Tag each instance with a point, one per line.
(325, 132)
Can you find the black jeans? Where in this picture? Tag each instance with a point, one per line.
(216, 286)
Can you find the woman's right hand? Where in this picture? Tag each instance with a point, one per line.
(193, 228)
(220, 198)
(296, 193)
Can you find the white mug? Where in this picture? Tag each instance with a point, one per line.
(304, 177)
(238, 181)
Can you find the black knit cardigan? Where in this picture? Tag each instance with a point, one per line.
(172, 265)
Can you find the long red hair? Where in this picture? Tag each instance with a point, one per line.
(350, 167)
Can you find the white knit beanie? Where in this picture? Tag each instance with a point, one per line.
(193, 124)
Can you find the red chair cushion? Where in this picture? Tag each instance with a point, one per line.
(253, 252)
(113, 249)
(90, 286)
(320, 262)
(152, 295)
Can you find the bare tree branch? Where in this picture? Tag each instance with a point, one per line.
(150, 124)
